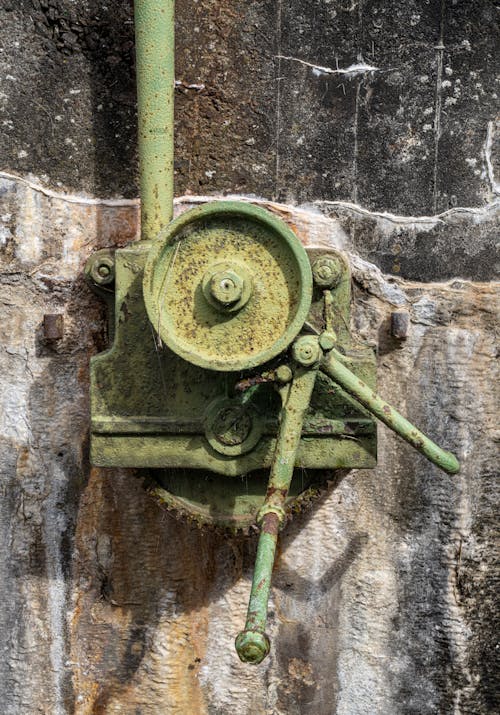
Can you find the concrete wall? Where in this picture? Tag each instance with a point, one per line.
(366, 125)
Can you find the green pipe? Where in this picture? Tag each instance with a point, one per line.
(333, 367)
(252, 644)
(154, 46)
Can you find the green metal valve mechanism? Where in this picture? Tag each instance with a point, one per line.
(231, 352)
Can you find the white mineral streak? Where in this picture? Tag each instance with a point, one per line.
(354, 70)
(367, 583)
(488, 149)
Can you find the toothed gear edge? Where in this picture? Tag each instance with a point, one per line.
(183, 510)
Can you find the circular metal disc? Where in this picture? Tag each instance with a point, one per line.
(258, 246)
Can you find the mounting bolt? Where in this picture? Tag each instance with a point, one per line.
(327, 340)
(306, 351)
(283, 374)
(53, 326)
(102, 268)
(400, 324)
(327, 271)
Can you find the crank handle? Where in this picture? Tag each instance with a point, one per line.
(332, 365)
(252, 644)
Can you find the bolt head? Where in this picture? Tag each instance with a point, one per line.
(53, 326)
(400, 324)
(283, 374)
(327, 271)
(102, 270)
(305, 351)
(327, 340)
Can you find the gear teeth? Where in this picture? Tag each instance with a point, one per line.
(300, 504)
(168, 502)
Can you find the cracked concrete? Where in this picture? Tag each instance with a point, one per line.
(354, 634)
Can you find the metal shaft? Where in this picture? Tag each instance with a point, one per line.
(333, 366)
(252, 644)
(154, 42)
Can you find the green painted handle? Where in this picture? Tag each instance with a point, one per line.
(252, 644)
(334, 368)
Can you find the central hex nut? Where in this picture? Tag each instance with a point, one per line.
(227, 287)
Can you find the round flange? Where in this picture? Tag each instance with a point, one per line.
(227, 286)
(232, 427)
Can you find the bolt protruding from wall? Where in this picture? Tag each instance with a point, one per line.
(100, 267)
(53, 326)
(400, 324)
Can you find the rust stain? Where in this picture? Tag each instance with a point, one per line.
(276, 490)
(271, 523)
(129, 571)
(302, 671)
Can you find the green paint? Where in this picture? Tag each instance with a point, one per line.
(226, 288)
(333, 366)
(230, 239)
(252, 644)
(154, 42)
(152, 409)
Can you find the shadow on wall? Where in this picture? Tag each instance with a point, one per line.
(112, 82)
(71, 103)
(152, 581)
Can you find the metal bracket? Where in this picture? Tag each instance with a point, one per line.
(152, 407)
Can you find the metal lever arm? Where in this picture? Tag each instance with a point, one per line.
(332, 365)
(252, 644)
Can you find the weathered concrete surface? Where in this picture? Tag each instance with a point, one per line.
(390, 108)
(384, 598)
(264, 102)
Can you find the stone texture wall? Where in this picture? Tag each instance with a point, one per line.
(366, 125)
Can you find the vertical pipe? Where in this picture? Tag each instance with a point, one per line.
(154, 43)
